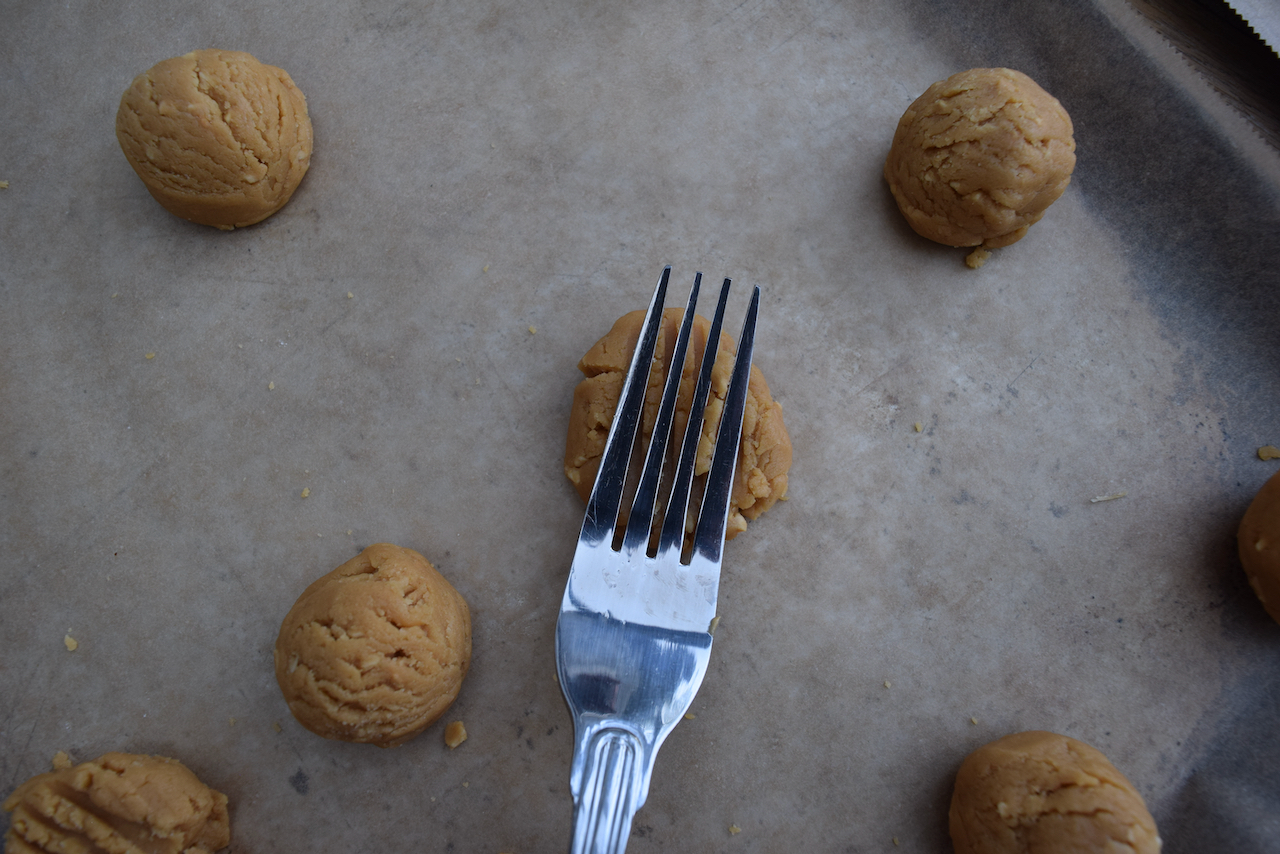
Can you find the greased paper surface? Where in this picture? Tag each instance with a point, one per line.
(492, 185)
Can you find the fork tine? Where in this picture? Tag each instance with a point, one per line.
(606, 495)
(672, 536)
(640, 521)
(708, 541)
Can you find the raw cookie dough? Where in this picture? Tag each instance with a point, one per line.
(978, 158)
(1259, 543)
(1048, 794)
(216, 136)
(118, 802)
(764, 457)
(375, 651)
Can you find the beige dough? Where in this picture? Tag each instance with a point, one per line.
(1041, 793)
(217, 137)
(118, 802)
(764, 457)
(978, 158)
(1259, 544)
(375, 651)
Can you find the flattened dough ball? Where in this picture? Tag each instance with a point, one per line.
(375, 651)
(1041, 793)
(118, 802)
(979, 157)
(764, 456)
(216, 136)
(1259, 544)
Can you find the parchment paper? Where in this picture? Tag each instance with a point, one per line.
(484, 170)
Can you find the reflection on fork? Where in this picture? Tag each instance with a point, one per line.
(634, 633)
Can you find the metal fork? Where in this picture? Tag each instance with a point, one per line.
(634, 633)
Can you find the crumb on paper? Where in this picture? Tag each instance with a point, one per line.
(1269, 452)
(306, 490)
(484, 269)
(466, 784)
(1112, 497)
(231, 721)
(350, 295)
(4, 185)
(973, 261)
(533, 330)
(271, 386)
(888, 684)
(711, 627)
(71, 643)
(61, 761)
(919, 426)
(454, 734)
(690, 716)
(895, 840)
(973, 721)
(275, 725)
(150, 356)
(734, 830)
(116, 294)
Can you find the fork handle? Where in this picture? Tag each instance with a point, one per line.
(609, 791)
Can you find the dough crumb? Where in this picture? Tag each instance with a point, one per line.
(276, 726)
(888, 684)
(1112, 497)
(271, 386)
(977, 258)
(485, 269)
(454, 734)
(149, 356)
(61, 761)
(306, 491)
(734, 830)
(4, 185)
(533, 330)
(973, 721)
(690, 716)
(71, 643)
(1269, 452)
(918, 427)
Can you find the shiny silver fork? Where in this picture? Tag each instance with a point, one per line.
(634, 634)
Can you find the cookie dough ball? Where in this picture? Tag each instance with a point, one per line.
(375, 651)
(978, 158)
(118, 802)
(764, 457)
(216, 136)
(1259, 543)
(1049, 794)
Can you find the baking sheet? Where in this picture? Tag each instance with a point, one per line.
(486, 170)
